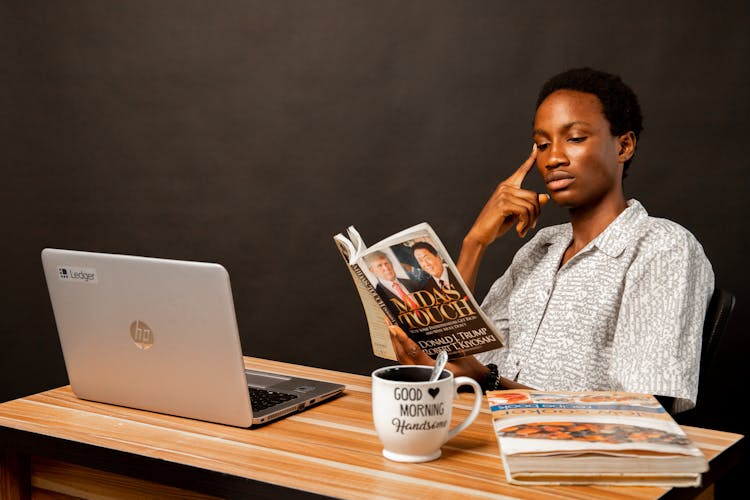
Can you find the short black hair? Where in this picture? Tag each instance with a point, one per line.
(620, 104)
(426, 246)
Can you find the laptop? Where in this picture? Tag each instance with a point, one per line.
(161, 335)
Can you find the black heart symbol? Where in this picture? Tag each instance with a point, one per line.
(434, 391)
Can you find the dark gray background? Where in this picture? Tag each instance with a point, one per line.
(249, 133)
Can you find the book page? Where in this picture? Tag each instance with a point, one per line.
(380, 337)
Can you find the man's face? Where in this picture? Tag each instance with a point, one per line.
(429, 262)
(577, 154)
(383, 269)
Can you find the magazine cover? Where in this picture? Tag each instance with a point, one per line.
(410, 280)
(585, 437)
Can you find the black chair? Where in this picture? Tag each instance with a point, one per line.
(714, 325)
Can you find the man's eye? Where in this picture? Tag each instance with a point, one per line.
(542, 147)
(577, 139)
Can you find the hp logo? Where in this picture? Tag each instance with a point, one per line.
(141, 334)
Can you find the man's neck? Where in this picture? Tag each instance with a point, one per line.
(590, 222)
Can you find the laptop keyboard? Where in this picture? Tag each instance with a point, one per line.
(260, 399)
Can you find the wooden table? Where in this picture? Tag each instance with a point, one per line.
(54, 442)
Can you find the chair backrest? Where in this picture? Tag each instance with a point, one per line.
(717, 316)
(714, 325)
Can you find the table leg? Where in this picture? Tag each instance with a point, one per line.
(15, 475)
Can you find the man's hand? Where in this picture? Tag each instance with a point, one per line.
(409, 353)
(510, 204)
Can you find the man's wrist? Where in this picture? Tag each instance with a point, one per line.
(491, 380)
(474, 244)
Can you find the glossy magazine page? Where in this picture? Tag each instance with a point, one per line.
(605, 437)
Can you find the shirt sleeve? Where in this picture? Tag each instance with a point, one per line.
(657, 342)
(495, 305)
(496, 302)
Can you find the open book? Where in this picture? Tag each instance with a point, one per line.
(592, 438)
(410, 280)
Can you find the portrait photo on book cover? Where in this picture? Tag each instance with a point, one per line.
(417, 285)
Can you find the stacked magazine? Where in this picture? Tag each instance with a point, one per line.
(615, 438)
(409, 280)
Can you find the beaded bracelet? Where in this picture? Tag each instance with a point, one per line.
(491, 381)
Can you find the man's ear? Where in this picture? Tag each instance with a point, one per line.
(626, 146)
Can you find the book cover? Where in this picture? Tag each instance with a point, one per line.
(592, 437)
(410, 280)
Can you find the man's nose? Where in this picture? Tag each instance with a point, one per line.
(556, 155)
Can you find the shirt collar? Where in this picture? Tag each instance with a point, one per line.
(612, 241)
(391, 287)
(619, 234)
(444, 276)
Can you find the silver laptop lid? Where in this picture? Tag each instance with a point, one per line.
(148, 333)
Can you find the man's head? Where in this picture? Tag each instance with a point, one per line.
(428, 258)
(380, 265)
(619, 103)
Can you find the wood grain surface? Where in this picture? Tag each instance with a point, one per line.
(330, 449)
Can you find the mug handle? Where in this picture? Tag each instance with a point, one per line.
(458, 382)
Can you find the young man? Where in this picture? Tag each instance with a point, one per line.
(612, 300)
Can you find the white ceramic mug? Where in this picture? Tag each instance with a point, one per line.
(412, 416)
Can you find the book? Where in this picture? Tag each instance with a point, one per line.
(594, 437)
(438, 313)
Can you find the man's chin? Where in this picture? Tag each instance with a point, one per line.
(563, 198)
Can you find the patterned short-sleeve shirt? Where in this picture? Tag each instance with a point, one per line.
(624, 313)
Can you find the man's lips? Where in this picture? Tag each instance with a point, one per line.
(558, 179)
